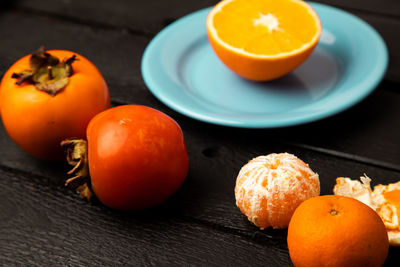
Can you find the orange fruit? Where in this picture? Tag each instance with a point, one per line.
(384, 199)
(336, 231)
(269, 188)
(263, 39)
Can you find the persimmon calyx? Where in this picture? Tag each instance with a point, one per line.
(77, 156)
(47, 73)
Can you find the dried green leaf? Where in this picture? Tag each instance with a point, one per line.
(22, 76)
(68, 65)
(59, 72)
(85, 192)
(48, 74)
(52, 87)
(40, 76)
(76, 150)
(77, 156)
(42, 59)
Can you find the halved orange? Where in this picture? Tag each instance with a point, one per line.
(263, 39)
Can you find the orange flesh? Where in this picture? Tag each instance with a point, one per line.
(292, 26)
(394, 198)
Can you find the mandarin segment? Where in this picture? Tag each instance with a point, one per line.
(269, 188)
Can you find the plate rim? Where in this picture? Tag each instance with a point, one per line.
(364, 88)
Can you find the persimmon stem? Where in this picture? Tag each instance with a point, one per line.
(47, 72)
(77, 156)
(75, 178)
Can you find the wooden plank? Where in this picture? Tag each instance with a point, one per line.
(382, 7)
(152, 15)
(215, 160)
(116, 53)
(147, 18)
(361, 132)
(43, 225)
(388, 28)
(128, 66)
(40, 215)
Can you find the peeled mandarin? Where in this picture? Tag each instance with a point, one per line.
(270, 188)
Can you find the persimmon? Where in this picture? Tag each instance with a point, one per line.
(336, 231)
(49, 96)
(135, 158)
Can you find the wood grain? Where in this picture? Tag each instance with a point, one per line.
(152, 15)
(215, 161)
(47, 227)
(39, 211)
(381, 7)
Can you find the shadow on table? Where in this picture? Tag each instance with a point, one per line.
(392, 257)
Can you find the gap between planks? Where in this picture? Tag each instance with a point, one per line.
(348, 156)
(133, 31)
(330, 152)
(253, 236)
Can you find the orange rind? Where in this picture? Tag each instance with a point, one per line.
(336, 231)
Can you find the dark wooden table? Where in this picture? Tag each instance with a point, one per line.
(42, 223)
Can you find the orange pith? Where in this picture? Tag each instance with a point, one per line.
(394, 198)
(263, 39)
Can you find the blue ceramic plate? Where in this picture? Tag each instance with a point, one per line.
(181, 69)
